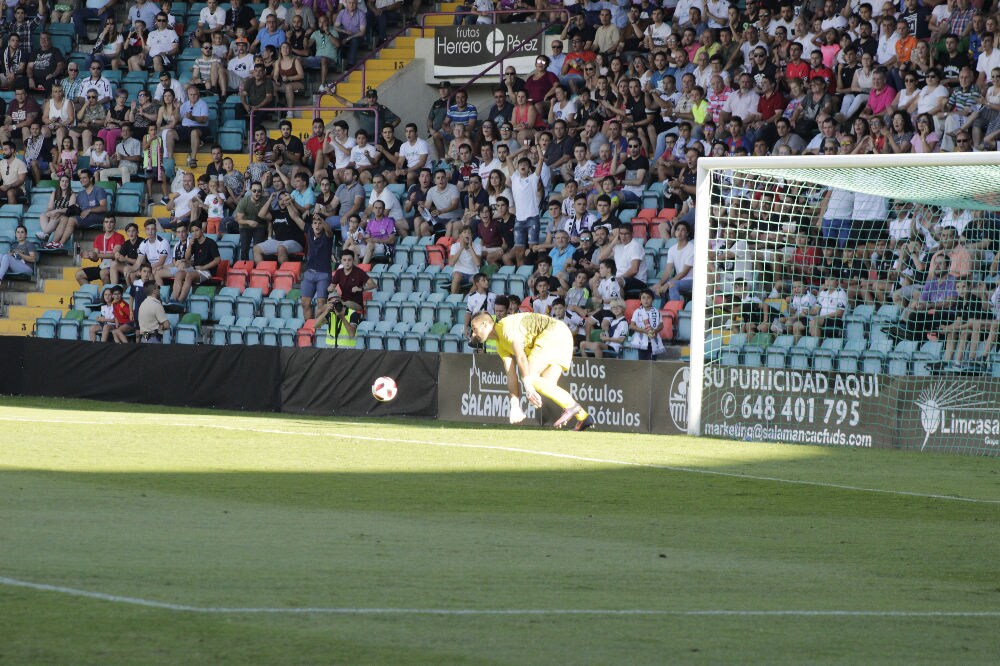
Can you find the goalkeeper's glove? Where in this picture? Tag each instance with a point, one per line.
(516, 414)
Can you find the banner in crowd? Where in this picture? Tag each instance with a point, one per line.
(798, 407)
(467, 50)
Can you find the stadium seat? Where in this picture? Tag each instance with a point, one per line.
(823, 356)
(281, 332)
(68, 328)
(394, 338)
(305, 334)
(188, 331)
(236, 335)
(271, 303)
(427, 312)
(874, 358)
(930, 352)
(224, 303)
(888, 313)
(778, 351)
(453, 341)
(434, 336)
(800, 355)
(412, 339)
(46, 325)
(684, 324)
(248, 303)
(731, 351)
(409, 310)
(290, 306)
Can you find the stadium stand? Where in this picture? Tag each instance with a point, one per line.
(640, 91)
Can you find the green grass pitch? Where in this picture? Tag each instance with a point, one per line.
(172, 536)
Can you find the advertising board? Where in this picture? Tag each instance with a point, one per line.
(466, 50)
(798, 407)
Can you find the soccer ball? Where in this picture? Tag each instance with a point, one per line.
(384, 389)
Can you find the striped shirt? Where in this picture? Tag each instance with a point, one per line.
(463, 116)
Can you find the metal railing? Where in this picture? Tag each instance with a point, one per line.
(360, 64)
(493, 14)
(498, 61)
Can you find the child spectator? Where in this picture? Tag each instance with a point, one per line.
(646, 325)
(614, 332)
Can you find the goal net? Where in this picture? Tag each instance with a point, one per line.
(850, 301)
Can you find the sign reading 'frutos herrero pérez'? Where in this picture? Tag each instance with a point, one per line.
(468, 49)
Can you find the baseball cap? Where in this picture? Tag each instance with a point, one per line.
(444, 84)
(242, 40)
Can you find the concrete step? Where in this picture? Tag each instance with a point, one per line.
(440, 20)
(64, 287)
(53, 301)
(26, 312)
(16, 326)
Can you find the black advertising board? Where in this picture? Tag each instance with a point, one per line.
(798, 407)
(467, 50)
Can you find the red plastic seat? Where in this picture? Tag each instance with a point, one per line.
(631, 305)
(640, 231)
(284, 281)
(305, 335)
(292, 267)
(238, 278)
(261, 281)
(435, 255)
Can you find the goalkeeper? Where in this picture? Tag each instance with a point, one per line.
(539, 348)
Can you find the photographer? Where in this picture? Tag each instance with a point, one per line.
(21, 257)
(342, 323)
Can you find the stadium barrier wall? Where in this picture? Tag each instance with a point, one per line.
(623, 396)
(243, 378)
(952, 414)
(337, 382)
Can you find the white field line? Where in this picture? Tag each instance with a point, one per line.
(185, 608)
(549, 454)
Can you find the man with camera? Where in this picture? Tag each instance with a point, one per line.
(342, 318)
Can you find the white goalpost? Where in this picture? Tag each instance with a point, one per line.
(867, 270)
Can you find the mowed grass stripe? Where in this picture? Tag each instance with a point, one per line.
(214, 518)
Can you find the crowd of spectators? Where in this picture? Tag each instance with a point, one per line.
(624, 102)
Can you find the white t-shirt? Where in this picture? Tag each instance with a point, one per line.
(477, 302)
(840, 206)
(215, 204)
(154, 248)
(161, 41)
(801, 305)
(869, 207)
(680, 257)
(643, 318)
(412, 152)
(211, 20)
(608, 290)
(573, 321)
(465, 263)
(831, 301)
(626, 254)
(182, 204)
(525, 193)
(543, 305)
(341, 158)
(392, 207)
(986, 63)
(363, 156)
(241, 67)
